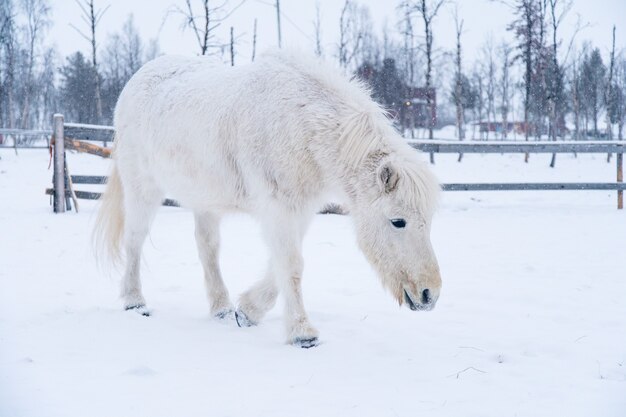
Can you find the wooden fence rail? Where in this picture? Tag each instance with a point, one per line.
(442, 146)
(75, 137)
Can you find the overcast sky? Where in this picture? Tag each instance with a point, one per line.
(482, 18)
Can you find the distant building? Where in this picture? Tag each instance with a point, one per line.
(415, 111)
(499, 127)
(407, 105)
(518, 127)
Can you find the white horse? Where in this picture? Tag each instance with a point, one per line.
(274, 139)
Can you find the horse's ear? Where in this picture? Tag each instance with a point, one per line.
(388, 177)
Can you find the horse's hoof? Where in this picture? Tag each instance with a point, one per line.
(139, 308)
(226, 314)
(243, 320)
(306, 343)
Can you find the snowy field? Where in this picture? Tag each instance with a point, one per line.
(531, 320)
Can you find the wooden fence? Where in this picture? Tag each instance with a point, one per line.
(601, 147)
(24, 138)
(78, 137)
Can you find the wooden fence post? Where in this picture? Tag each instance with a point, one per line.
(620, 178)
(59, 165)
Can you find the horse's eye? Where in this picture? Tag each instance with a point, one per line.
(398, 223)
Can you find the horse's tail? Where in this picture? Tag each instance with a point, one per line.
(109, 227)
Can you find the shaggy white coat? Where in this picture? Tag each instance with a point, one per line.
(274, 139)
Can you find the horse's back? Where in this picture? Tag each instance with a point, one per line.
(209, 133)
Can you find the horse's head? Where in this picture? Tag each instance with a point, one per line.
(393, 220)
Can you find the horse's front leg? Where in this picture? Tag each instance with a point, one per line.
(207, 239)
(257, 301)
(284, 234)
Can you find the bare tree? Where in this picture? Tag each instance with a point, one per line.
(409, 56)
(123, 54)
(479, 105)
(47, 87)
(505, 90)
(408, 34)
(152, 50)
(350, 36)
(369, 47)
(488, 54)
(458, 79)
(558, 10)
(232, 46)
(525, 29)
(317, 26)
(254, 40)
(131, 48)
(204, 24)
(575, 93)
(619, 99)
(37, 20)
(541, 71)
(609, 93)
(92, 16)
(428, 10)
(280, 37)
(593, 78)
(8, 53)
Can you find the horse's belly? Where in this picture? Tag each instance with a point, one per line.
(196, 182)
(201, 193)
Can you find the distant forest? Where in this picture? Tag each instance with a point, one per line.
(543, 83)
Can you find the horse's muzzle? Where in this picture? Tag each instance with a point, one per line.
(426, 301)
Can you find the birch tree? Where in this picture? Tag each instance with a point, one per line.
(556, 98)
(37, 14)
(524, 28)
(92, 16)
(203, 19)
(505, 90)
(317, 26)
(458, 79)
(428, 10)
(488, 54)
(350, 34)
(7, 64)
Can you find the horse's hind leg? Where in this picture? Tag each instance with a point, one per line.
(140, 206)
(207, 239)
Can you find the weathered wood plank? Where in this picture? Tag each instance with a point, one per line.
(91, 195)
(534, 186)
(59, 165)
(89, 179)
(98, 179)
(89, 132)
(86, 147)
(439, 146)
(620, 179)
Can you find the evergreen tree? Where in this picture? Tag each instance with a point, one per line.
(388, 87)
(77, 94)
(593, 73)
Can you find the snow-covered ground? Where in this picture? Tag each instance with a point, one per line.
(531, 320)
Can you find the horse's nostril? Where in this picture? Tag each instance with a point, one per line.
(426, 299)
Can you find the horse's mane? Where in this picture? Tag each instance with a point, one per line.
(365, 129)
(365, 136)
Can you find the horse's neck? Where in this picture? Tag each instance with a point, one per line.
(354, 167)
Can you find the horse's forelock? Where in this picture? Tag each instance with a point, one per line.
(419, 185)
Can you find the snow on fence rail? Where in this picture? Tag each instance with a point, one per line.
(617, 147)
(75, 137)
(25, 138)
